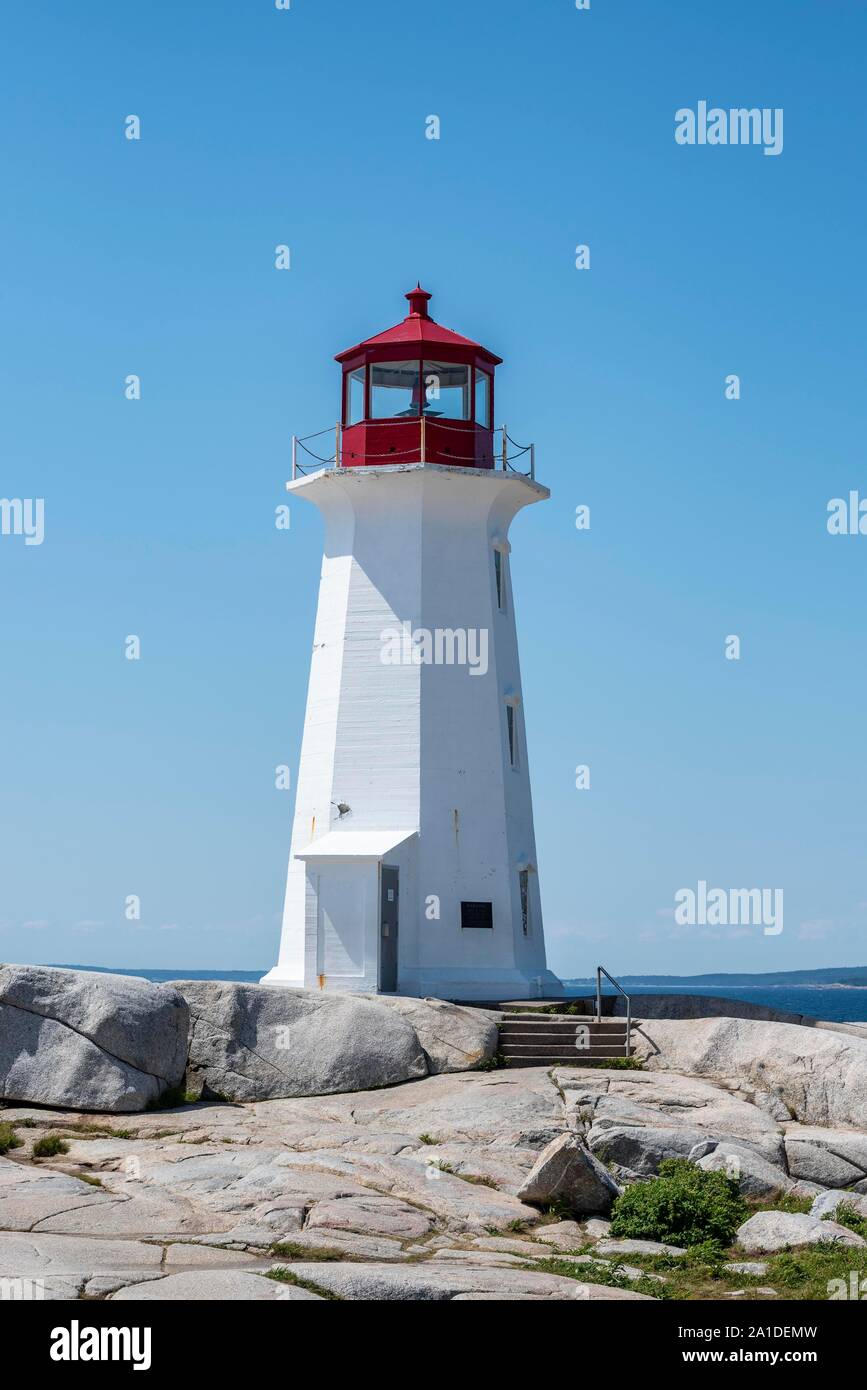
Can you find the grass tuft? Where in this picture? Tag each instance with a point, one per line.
(9, 1139)
(494, 1063)
(50, 1146)
(847, 1215)
(324, 1254)
(285, 1276)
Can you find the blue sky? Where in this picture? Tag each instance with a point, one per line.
(156, 257)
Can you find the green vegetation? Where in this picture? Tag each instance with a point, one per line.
(807, 1273)
(478, 1180)
(846, 1215)
(599, 1273)
(87, 1131)
(683, 1206)
(50, 1146)
(289, 1250)
(688, 1207)
(285, 1276)
(90, 1179)
(620, 1063)
(558, 1209)
(9, 1139)
(701, 1211)
(784, 1201)
(427, 1139)
(171, 1099)
(492, 1063)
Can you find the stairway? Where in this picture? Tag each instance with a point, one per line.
(546, 1040)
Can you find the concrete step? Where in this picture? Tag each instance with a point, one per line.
(562, 1049)
(562, 1021)
(564, 1034)
(550, 1021)
(578, 1060)
(567, 1039)
(563, 1044)
(594, 1029)
(550, 1040)
(527, 1020)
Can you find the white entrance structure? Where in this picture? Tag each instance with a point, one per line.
(413, 859)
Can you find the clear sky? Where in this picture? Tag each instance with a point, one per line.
(155, 257)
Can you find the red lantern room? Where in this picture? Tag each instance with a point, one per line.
(418, 393)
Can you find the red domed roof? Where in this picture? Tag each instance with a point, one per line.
(419, 329)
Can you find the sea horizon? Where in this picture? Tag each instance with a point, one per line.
(841, 1002)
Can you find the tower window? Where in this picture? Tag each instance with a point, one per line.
(355, 396)
(475, 915)
(447, 390)
(394, 389)
(513, 735)
(483, 399)
(500, 578)
(524, 885)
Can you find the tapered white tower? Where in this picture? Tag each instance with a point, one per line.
(413, 861)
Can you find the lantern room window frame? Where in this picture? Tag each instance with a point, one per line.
(477, 373)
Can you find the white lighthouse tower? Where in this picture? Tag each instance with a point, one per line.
(413, 860)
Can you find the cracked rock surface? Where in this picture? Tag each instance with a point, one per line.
(813, 1075)
(405, 1192)
(428, 1183)
(249, 1042)
(84, 1040)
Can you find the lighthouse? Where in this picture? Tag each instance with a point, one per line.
(413, 866)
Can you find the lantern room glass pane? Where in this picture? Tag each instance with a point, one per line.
(394, 389)
(483, 399)
(447, 390)
(355, 396)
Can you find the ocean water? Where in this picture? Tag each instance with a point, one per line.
(836, 1003)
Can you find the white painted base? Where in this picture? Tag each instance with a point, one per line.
(444, 984)
(275, 977)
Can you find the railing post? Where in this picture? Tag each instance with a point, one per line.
(600, 971)
(505, 450)
(423, 445)
(294, 456)
(337, 445)
(533, 461)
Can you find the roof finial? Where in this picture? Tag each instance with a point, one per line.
(418, 301)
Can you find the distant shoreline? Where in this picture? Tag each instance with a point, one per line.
(657, 983)
(711, 984)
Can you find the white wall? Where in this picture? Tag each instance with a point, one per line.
(421, 747)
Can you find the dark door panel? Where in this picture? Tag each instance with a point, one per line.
(388, 926)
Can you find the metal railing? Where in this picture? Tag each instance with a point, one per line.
(299, 442)
(600, 971)
(505, 461)
(523, 451)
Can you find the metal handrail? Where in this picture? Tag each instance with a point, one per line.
(600, 971)
(505, 460)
